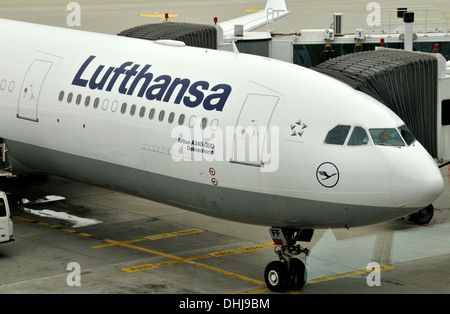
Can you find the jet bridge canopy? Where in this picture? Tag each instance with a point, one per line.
(195, 35)
(404, 81)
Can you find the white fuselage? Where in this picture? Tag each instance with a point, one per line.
(179, 125)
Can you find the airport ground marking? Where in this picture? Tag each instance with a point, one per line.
(180, 259)
(152, 237)
(347, 274)
(225, 272)
(174, 234)
(52, 226)
(190, 260)
(139, 268)
(159, 15)
(143, 249)
(224, 253)
(175, 259)
(114, 243)
(185, 260)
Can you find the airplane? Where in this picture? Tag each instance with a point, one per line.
(211, 132)
(274, 10)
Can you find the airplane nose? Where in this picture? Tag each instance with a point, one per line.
(416, 182)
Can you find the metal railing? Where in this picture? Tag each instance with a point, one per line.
(427, 19)
(273, 19)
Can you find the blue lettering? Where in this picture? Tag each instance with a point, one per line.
(128, 76)
(77, 79)
(117, 72)
(159, 88)
(184, 83)
(142, 75)
(93, 81)
(198, 95)
(220, 97)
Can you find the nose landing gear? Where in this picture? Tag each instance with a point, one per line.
(423, 216)
(289, 273)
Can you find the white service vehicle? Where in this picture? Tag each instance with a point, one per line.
(6, 224)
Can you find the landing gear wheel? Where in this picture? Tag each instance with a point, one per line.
(423, 216)
(298, 274)
(276, 276)
(288, 272)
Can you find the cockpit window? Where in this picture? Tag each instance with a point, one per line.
(358, 137)
(407, 135)
(386, 137)
(337, 135)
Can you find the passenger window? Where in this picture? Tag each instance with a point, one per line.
(386, 137)
(78, 100)
(87, 101)
(69, 97)
(142, 112)
(105, 104)
(96, 102)
(61, 96)
(133, 110)
(152, 114)
(337, 135)
(124, 108)
(161, 115)
(407, 134)
(114, 106)
(358, 137)
(204, 123)
(192, 121)
(171, 117)
(181, 119)
(214, 124)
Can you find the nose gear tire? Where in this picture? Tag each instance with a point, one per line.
(276, 276)
(298, 274)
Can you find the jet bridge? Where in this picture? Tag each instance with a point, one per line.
(414, 85)
(195, 35)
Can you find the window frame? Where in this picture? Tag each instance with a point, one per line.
(329, 140)
(353, 132)
(384, 143)
(404, 129)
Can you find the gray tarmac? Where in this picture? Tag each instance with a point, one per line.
(138, 246)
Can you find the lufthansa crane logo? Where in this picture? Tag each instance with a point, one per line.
(327, 174)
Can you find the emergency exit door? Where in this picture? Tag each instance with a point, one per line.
(251, 131)
(31, 89)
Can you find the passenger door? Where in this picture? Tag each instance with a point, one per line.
(250, 136)
(31, 89)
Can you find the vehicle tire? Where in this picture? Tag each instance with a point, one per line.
(423, 216)
(276, 276)
(298, 274)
